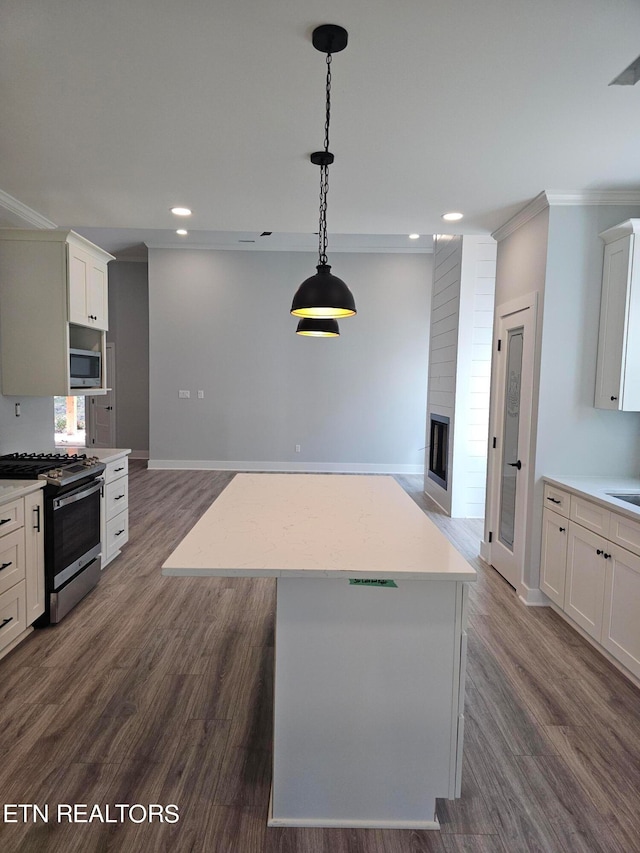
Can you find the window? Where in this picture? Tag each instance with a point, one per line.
(69, 420)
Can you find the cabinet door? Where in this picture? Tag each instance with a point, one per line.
(87, 290)
(621, 626)
(584, 587)
(553, 566)
(612, 334)
(78, 275)
(97, 304)
(34, 555)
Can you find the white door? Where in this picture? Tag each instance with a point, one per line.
(101, 421)
(510, 431)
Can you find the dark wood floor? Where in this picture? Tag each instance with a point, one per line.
(158, 690)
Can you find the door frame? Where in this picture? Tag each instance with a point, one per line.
(90, 424)
(489, 549)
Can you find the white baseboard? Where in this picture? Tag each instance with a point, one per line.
(532, 597)
(284, 467)
(139, 454)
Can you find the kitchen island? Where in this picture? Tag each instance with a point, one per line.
(370, 642)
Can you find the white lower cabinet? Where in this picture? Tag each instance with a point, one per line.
(554, 555)
(21, 568)
(592, 579)
(584, 590)
(115, 508)
(620, 624)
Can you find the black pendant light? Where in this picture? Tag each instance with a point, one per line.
(324, 295)
(318, 327)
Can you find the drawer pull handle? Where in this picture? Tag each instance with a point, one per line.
(562, 529)
(5, 520)
(36, 526)
(613, 398)
(606, 556)
(599, 551)
(120, 531)
(5, 566)
(115, 470)
(6, 621)
(118, 497)
(554, 500)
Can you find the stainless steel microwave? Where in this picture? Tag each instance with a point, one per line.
(85, 368)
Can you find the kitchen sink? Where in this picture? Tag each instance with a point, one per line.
(630, 497)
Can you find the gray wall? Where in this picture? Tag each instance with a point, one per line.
(129, 331)
(220, 323)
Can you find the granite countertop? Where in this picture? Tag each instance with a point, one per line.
(317, 525)
(597, 488)
(12, 489)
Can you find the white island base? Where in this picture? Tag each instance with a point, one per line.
(370, 644)
(368, 702)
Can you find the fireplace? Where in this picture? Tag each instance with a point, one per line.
(439, 450)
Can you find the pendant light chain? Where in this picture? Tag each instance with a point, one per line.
(324, 174)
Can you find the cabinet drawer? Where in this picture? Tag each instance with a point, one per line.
(116, 495)
(625, 531)
(13, 619)
(556, 499)
(11, 559)
(117, 533)
(116, 468)
(590, 515)
(11, 516)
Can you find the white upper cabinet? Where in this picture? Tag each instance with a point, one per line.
(88, 305)
(53, 298)
(618, 371)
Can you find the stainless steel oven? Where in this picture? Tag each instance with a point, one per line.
(72, 545)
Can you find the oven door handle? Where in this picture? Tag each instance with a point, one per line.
(95, 486)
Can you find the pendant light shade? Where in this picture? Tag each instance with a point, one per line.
(318, 327)
(323, 295)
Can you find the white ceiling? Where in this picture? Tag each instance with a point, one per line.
(112, 112)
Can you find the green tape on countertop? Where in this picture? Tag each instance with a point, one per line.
(372, 582)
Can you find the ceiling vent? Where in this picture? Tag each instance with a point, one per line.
(629, 76)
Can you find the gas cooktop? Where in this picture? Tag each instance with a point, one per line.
(56, 468)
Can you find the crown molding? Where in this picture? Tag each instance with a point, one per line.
(535, 206)
(554, 198)
(28, 215)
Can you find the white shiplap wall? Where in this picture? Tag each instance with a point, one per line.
(443, 343)
(460, 366)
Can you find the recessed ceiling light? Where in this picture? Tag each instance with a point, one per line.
(182, 232)
(181, 211)
(452, 217)
(414, 236)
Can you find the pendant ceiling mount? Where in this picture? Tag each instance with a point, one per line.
(330, 38)
(323, 295)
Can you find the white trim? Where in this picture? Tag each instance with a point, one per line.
(532, 597)
(30, 216)
(485, 551)
(535, 206)
(351, 824)
(249, 247)
(283, 467)
(549, 197)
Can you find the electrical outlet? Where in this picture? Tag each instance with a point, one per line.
(200, 395)
(297, 448)
(184, 395)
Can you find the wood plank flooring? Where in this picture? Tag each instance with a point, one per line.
(159, 690)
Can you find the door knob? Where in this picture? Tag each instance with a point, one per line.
(517, 464)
